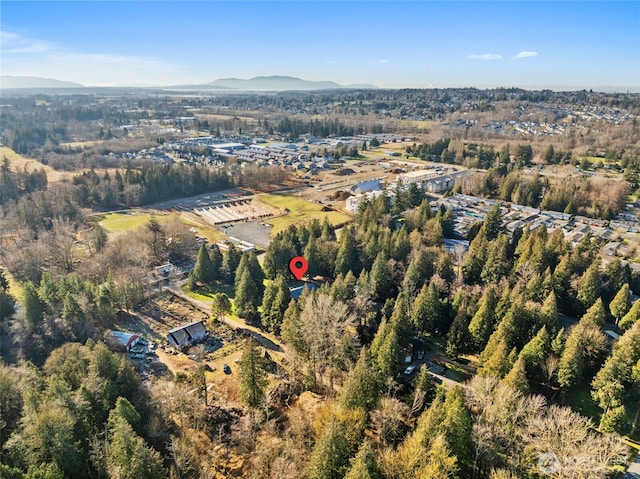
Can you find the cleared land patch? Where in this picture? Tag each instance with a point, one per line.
(299, 211)
(18, 162)
(116, 223)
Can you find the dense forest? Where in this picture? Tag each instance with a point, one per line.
(529, 308)
(538, 386)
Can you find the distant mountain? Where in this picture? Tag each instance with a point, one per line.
(362, 86)
(261, 83)
(204, 86)
(9, 81)
(274, 83)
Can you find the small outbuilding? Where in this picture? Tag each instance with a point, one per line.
(122, 341)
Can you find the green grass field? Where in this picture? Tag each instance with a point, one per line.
(121, 222)
(206, 292)
(300, 211)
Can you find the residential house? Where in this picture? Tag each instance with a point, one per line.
(187, 334)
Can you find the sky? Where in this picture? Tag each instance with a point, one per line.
(422, 44)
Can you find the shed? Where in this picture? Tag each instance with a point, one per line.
(123, 341)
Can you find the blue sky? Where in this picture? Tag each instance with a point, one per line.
(544, 44)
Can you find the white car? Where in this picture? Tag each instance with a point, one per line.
(409, 370)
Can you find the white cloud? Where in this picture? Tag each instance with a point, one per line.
(12, 43)
(485, 57)
(32, 57)
(382, 61)
(525, 54)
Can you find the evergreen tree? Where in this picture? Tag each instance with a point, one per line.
(621, 303)
(535, 352)
(400, 245)
(362, 387)
(129, 457)
(589, 287)
(549, 313)
(380, 277)
(388, 358)
(247, 295)
(583, 349)
(612, 385)
(230, 260)
(497, 364)
(517, 377)
(344, 287)
(277, 257)
(458, 338)
(497, 264)
(291, 329)
(313, 257)
(330, 456)
(275, 301)
(33, 308)
(216, 261)
(483, 322)
(427, 312)
(252, 375)
(365, 464)
(615, 420)
(400, 320)
(557, 345)
(595, 315)
(475, 259)
(493, 223)
(347, 259)
(420, 269)
(327, 233)
(631, 317)
(7, 302)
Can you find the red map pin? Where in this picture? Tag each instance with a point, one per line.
(298, 267)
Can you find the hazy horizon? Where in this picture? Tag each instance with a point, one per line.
(532, 45)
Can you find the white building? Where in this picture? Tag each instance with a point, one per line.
(353, 202)
(418, 176)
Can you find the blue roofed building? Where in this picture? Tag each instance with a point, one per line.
(297, 291)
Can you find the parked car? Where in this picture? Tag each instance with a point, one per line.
(410, 369)
(226, 369)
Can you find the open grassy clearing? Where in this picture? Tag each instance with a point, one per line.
(120, 222)
(116, 223)
(300, 211)
(206, 292)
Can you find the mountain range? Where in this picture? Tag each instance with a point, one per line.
(261, 83)
(10, 82)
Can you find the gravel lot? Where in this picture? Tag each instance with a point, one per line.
(254, 232)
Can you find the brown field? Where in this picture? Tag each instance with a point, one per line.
(19, 162)
(217, 116)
